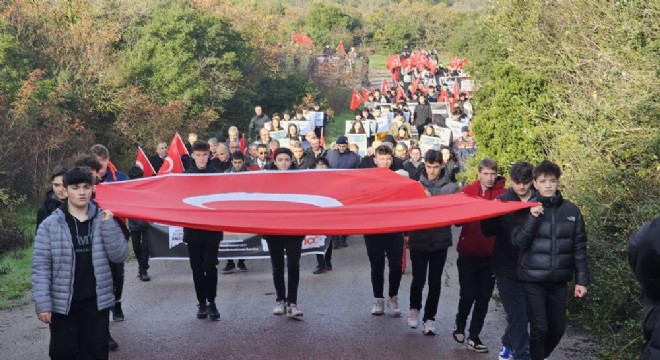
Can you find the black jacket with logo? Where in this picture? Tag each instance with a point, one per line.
(553, 246)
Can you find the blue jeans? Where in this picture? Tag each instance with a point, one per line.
(516, 336)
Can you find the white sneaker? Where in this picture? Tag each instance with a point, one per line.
(293, 311)
(379, 306)
(280, 308)
(393, 305)
(428, 328)
(413, 318)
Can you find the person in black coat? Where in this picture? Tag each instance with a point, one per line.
(301, 159)
(428, 248)
(158, 159)
(54, 197)
(505, 260)
(414, 166)
(553, 251)
(423, 114)
(644, 258)
(203, 245)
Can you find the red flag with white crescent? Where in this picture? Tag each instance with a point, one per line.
(143, 163)
(180, 145)
(172, 164)
(356, 100)
(331, 202)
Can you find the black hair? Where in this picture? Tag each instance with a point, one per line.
(77, 175)
(262, 145)
(237, 155)
(201, 145)
(88, 161)
(521, 172)
(59, 170)
(546, 167)
(283, 150)
(135, 173)
(452, 153)
(323, 161)
(383, 150)
(433, 156)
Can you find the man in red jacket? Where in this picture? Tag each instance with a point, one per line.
(475, 265)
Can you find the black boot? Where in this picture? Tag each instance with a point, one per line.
(202, 313)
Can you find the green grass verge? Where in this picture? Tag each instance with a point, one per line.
(16, 266)
(338, 126)
(15, 269)
(377, 62)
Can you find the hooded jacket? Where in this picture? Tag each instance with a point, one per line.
(50, 204)
(472, 242)
(53, 261)
(197, 236)
(505, 254)
(438, 238)
(553, 246)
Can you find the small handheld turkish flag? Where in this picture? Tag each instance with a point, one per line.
(179, 144)
(143, 163)
(384, 87)
(356, 100)
(172, 163)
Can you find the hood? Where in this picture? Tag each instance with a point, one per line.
(551, 201)
(92, 211)
(441, 181)
(474, 189)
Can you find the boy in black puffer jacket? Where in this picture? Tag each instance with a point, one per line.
(428, 248)
(553, 251)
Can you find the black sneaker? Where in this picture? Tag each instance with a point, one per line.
(328, 267)
(475, 344)
(229, 268)
(112, 344)
(144, 276)
(319, 270)
(242, 267)
(201, 311)
(214, 314)
(117, 313)
(459, 334)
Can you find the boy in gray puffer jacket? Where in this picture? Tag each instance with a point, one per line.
(71, 278)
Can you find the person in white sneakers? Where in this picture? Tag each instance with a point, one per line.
(428, 248)
(388, 245)
(292, 245)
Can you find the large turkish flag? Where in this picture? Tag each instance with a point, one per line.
(329, 202)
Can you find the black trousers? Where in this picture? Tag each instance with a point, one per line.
(546, 310)
(325, 260)
(117, 270)
(380, 246)
(141, 249)
(476, 279)
(203, 262)
(277, 246)
(434, 261)
(83, 334)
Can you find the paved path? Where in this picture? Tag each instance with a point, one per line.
(161, 323)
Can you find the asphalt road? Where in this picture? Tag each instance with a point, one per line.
(337, 324)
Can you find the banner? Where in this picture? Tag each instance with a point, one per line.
(360, 140)
(455, 127)
(303, 126)
(329, 202)
(383, 124)
(427, 143)
(316, 117)
(367, 126)
(280, 134)
(445, 135)
(166, 242)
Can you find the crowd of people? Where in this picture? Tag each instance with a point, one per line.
(530, 255)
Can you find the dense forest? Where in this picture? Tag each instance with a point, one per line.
(574, 82)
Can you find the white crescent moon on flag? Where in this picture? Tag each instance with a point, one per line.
(315, 200)
(170, 165)
(139, 164)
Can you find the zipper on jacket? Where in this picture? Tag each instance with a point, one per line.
(553, 258)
